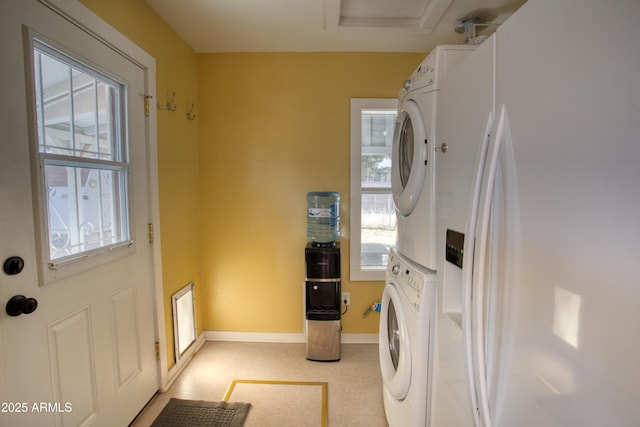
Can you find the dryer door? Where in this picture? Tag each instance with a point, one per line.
(409, 157)
(395, 353)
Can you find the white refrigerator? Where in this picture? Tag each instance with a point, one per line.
(539, 222)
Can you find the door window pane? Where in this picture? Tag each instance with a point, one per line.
(81, 153)
(82, 204)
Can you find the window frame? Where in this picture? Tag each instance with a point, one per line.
(50, 269)
(356, 270)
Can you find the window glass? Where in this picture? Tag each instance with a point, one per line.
(377, 212)
(373, 218)
(81, 155)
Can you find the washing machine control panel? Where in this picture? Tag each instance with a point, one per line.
(395, 269)
(408, 279)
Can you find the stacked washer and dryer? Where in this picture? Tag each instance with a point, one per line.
(407, 321)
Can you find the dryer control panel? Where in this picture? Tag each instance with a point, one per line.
(432, 70)
(425, 73)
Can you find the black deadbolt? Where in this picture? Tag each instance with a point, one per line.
(20, 304)
(13, 265)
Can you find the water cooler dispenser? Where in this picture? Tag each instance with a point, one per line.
(322, 282)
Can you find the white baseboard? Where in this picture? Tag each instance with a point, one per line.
(178, 367)
(359, 338)
(278, 337)
(275, 337)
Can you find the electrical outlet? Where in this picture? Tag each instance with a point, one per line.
(346, 298)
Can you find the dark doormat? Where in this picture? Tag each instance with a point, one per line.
(193, 413)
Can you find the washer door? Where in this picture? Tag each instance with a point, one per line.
(409, 157)
(394, 346)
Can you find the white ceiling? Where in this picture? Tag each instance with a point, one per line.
(324, 25)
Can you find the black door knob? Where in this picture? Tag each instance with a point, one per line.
(20, 304)
(13, 265)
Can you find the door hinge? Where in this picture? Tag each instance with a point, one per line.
(150, 230)
(157, 350)
(146, 104)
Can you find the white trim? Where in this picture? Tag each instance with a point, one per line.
(81, 16)
(274, 337)
(177, 368)
(356, 272)
(360, 338)
(283, 337)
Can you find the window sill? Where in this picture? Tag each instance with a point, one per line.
(368, 275)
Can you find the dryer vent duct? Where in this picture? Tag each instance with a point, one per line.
(471, 27)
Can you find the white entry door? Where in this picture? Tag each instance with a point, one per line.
(74, 216)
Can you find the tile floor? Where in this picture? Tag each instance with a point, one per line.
(354, 382)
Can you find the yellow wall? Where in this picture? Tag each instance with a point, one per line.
(273, 127)
(176, 70)
(269, 129)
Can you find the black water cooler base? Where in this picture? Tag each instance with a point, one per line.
(322, 296)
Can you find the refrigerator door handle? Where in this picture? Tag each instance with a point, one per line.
(480, 270)
(467, 273)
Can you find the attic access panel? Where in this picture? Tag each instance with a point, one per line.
(416, 15)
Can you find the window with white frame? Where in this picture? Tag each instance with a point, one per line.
(81, 155)
(372, 217)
